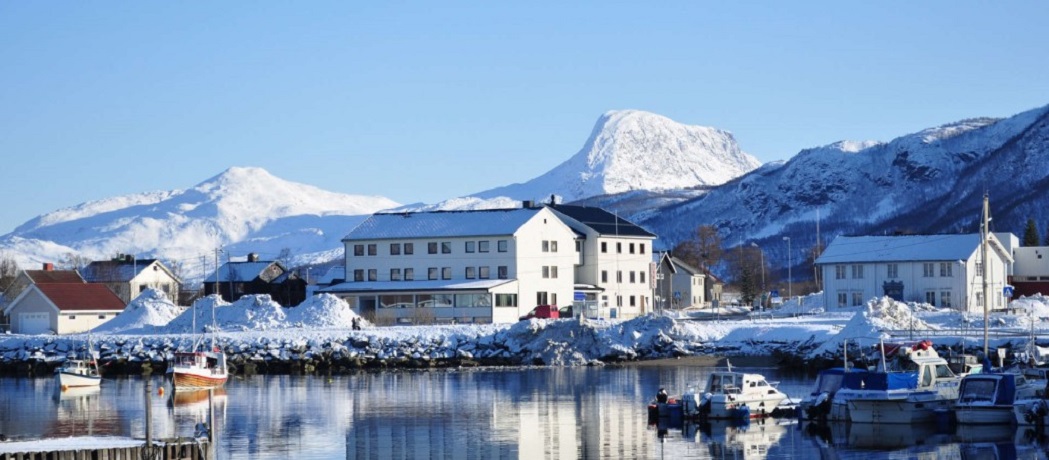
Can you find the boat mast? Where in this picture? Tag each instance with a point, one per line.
(984, 234)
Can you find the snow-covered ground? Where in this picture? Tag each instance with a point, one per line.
(255, 328)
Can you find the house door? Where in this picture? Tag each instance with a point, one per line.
(33, 323)
(893, 290)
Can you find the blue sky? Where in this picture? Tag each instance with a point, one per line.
(423, 101)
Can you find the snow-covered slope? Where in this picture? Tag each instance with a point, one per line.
(927, 182)
(241, 210)
(632, 150)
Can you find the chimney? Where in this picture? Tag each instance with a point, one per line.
(129, 258)
(253, 257)
(48, 266)
(527, 204)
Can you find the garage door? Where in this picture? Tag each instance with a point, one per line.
(33, 323)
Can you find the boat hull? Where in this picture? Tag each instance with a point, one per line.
(901, 411)
(182, 379)
(984, 415)
(73, 380)
(722, 407)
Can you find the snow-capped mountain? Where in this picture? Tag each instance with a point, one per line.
(241, 210)
(927, 182)
(632, 150)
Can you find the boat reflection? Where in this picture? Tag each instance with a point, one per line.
(725, 439)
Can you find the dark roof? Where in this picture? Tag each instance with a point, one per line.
(115, 270)
(603, 222)
(81, 296)
(54, 276)
(242, 272)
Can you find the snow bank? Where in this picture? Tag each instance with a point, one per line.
(150, 310)
(871, 324)
(198, 317)
(324, 311)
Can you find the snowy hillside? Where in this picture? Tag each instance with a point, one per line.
(928, 182)
(241, 210)
(633, 150)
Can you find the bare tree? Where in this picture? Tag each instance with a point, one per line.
(703, 250)
(73, 261)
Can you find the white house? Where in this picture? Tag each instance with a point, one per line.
(614, 264)
(680, 284)
(941, 270)
(128, 277)
(462, 266)
(62, 308)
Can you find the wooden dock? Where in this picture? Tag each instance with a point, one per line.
(100, 449)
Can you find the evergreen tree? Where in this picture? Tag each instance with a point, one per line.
(1030, 234)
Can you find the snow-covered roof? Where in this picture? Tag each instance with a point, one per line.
(333, 273)
(902, 248)
(424, 285)
(436, 224)
(601, 221)
(115, 270)
(239, 271)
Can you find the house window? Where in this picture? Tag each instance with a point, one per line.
(470, 246)
(633, 301)
(945, 299)
(927, 270)
(945, 269)
(546, 246)
(431, 247)
(541, 298)
(409, 274)
(501, 272)
(631, 248)
(930, 297)
(892, 271)
(839, 272)
(604, 247)
(101, 316)
(979, 268)
(409, 248)
(857, 271)
(506, 300)
(72, 316)
(553, 246)
(431, 273)
(500, 245)
(373, 274)
(843, 299)
(642, 275)
(553, 298)
(395, 274)
(857, 298)
(619, 277)
(578, 246)
(482, 246)
(358, 275)
(979, 299)
(632, 277)
(446, 273)
(358, 250)
(619, 301)
(373, 249)
(484, 272)
(395, 249)
(641, 247)
(470, 272)
(446, 247)
(604, 276)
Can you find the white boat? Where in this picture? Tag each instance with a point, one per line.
(819, 404)
(199, 369)
(985, 399)
(911, 388)
(730, 395)
(80, 371)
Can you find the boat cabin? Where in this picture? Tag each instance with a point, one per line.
(737, 383)
(994, 389)
(201, 360)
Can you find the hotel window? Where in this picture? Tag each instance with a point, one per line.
(373, 274)
(431, 248)
(470, 273)
(395, 249)
(470, 246)
(446, 273)
(553, 271)
(857, 298)
(358, 275)
(641, 247)
(927, 270)
(506, 300)
(632, 277)
(843, 299)
(604, 276)
(482, 246)
(633, 301)
(446, 247)
(500, 245)
(892, 271)
(631, 248)
(857, 271)
(619, 277)
(930, 297)
(431, 273)
(409, 274)
(619, 301)
(373, 249)
(945, 269)
(619, 248)
(358, 250)
(839, 272)
(604, 247)
(501, 272)
(642, 275)
(485, 272)
(409, 248)
(395, 274)
(945, 299)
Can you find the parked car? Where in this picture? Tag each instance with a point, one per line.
(543, 311)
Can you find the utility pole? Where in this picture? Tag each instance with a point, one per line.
(790, 277)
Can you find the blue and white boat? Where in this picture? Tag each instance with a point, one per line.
(985, 399)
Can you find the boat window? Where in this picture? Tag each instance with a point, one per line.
(715, 383)
(943, 372)
(926, 377)
(977, 390)
(829, 382)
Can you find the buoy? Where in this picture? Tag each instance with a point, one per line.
(160, 391)
(65, 387)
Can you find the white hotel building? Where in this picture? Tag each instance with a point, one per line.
(492, 266)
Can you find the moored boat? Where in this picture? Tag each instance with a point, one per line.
(199, 369)
(989, 398)
(80, 371)
(819, 405)
(730, 394)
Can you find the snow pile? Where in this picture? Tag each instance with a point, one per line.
(147, 312)
(251, 312)
(198, 317)
(868, 326)
(1036, 306)
(322, 311)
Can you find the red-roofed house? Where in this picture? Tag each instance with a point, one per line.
(62, 308)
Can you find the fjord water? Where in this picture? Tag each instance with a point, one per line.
(476, 413)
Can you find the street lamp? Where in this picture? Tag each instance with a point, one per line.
(790, 278)
(762, 253)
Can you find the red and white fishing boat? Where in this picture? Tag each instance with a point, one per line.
(199, 369)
